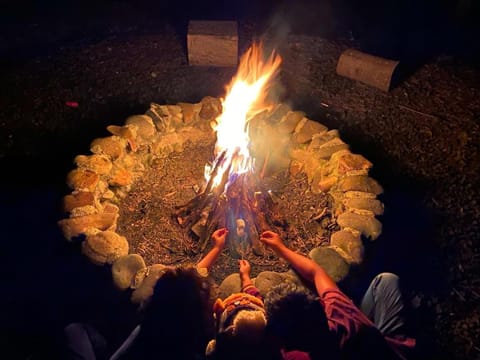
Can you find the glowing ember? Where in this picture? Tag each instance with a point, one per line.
(246, 96)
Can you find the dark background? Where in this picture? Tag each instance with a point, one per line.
(47, 284)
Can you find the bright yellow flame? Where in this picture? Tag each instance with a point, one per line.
(245, 97)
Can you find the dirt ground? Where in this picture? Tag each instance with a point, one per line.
(422, 137)
(148, 220)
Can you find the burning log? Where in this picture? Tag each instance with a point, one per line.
(242, 200)
(232, 203)
(239, 208)
(190, 213)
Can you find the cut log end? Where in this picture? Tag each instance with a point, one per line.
(368, 69)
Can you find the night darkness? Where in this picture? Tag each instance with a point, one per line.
(423, 138)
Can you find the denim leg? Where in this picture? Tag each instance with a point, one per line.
(83, 342)
(383, 304)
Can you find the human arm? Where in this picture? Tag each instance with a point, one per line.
(218, 238)
(244, 271)
(246, 281)
(307, 268)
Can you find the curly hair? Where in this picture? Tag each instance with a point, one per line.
(249, 325)
(296, 317)
(177, 318)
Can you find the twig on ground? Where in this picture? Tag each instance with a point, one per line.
(319, 216)
(169, 194)
(404, 107)
(459, 294)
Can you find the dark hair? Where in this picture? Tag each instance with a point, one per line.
(177, 320)
(297, 319)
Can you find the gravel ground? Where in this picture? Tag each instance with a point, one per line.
(422, 137)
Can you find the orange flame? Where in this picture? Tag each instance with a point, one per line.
(246, 96)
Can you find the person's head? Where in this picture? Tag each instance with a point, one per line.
(296, 319)
(240, 321)
(177, 318)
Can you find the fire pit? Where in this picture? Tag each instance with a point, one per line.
(152, 193)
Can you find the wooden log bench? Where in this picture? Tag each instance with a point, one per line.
(368, 69)
(212, 43)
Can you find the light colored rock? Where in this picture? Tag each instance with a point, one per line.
(167, 118)
(73, 227)
(83, 211)
(211, 108)
(349, 163)
(296, 167)
(295, 277)
(78, 199)
(121, 192)
(331, 261)
(256, 125)
(323, 183)
(125, 268)
(350, 243)
(105, 247)
(99, 164)
(190, 111)
(110, 208)
(373, 205)
(335, 159)
(172, 110)
(360, 211)
(268, 279)
(120, 177)
(230, 285)
(369, 226)
(326, 150)
(361, 183)
(112, 146)
(277, 114)
(108, 195)
(306, 129)
(101, 188)
(165, 144)
(311, 164)
(138, 278)
(128, 162)
(320, 139)
(359, 195)
(145, 126)
(300, 154)
(144, 291)
(82, 180)
(337, 196)
(290, 121)
(127, 132)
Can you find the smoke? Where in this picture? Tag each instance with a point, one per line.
(289, 17)
(303, 17)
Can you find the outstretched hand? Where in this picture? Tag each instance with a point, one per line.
(219, 236)
(244, 267)
(271, 239)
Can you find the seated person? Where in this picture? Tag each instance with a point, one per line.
(240, 322)
(177, 320)
(331, 326)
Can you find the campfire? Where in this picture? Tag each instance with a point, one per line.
(153, 192)
(234, 195)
